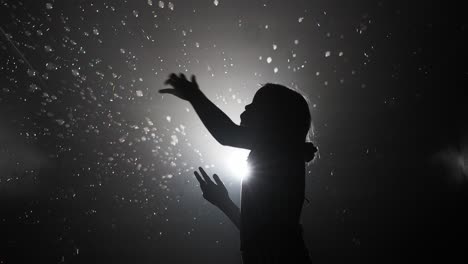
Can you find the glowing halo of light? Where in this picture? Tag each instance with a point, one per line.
(236, 162)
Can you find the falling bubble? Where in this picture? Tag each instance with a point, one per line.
(75, 72)
(96, 31)
(48, 48)
(51, 66)
(171, 6)
(327, 54)
(174, 140)
(168, 118)
(275, 46)
(150, 2)
(161, 4)
(340, 54)
(300, 19)
(139, 93)
(33, 87)
(296, 41)
(49, 6)
(269, 60)
(31, 73)
(215, 2)
(197, 44)
(275, 70)
(135, 13)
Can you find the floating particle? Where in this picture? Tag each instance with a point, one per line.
(327, 53)
(216, 2)
(60, 121)
(75, 72)
(122, 51)
(174, 140)
(33, 87)
(168, 118)
(171, 6)
(197, 44)
(139, 93)
(51, 66)
(340, 54)
(95, 31)
(31, 73)
(275, 70)
(300, 19)
(150, 2)
(48, 48)
(296, 41)
(135, 13)
(275, 46)
(49, 6)
(269, 60)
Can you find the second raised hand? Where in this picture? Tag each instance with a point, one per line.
(215, 193)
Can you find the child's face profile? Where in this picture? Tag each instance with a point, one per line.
(251, 116)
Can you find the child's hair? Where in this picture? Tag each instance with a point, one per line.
(287, 111)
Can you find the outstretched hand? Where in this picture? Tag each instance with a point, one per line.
(182, 88)
(215, 193)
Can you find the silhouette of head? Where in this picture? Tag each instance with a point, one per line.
(280, 115)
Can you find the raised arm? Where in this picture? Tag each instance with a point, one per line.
(216, 121)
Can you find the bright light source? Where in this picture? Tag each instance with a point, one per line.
(236, 161)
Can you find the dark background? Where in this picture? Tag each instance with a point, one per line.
(91, 172)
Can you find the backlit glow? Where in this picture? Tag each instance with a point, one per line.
(236, 162)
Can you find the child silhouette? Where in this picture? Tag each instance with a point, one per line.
(274, 127)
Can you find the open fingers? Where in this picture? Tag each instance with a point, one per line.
(199, 179)
(205, 176)
(182, 76)
(218, 180)
(172, 79)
